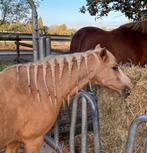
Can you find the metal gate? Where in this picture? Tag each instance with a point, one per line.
(89, 99)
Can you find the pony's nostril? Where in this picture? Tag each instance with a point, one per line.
(127, 91)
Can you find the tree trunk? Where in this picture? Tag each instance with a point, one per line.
(35, 33)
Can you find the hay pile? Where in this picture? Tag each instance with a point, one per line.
(116, 113)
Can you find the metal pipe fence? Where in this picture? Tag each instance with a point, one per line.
(45, 41)
(86, 98)
(89, 99)
(132, 133)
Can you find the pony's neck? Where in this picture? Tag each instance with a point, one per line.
(57, 78)
(80, 76)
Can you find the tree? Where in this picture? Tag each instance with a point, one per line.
(40, 23)
(16, 10)
(133, 9)
(60, 30)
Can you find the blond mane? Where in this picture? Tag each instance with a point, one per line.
(52, 62)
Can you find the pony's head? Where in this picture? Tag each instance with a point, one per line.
(110, 74)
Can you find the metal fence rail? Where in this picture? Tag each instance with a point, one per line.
(44, 43)
(26, 36)
(86, 98)
(132, 133)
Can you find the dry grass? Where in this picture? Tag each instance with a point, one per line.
(116, 113)
(60, 45)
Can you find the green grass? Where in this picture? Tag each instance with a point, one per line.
(3, 66)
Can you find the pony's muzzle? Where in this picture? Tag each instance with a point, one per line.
(127, 90)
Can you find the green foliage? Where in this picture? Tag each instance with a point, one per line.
(133, 9)
(16, 27)
(40, 23)
(20, 27)
(27, 28)
(14, 10)
(3, 66)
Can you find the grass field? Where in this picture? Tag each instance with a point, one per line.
(3, 66)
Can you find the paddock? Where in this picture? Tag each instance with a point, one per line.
(116, 114)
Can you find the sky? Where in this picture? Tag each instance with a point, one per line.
(55, 12)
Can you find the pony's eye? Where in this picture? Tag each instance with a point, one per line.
(115, 67)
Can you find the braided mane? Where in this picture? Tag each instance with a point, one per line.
(52, 62)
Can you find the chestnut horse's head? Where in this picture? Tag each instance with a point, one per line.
(110, 74)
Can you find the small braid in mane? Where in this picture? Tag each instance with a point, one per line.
(17, 72)
(78, 60)
(69, 60)
(87, 71)
(53, 71)
(60, 61)
(28, 77)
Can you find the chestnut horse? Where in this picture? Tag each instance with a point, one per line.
(128, 43)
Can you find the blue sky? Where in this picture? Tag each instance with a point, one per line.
(67, 12)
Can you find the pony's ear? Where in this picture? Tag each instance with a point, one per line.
(103, 54)
(98, 46)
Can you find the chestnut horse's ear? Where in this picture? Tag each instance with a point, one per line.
(103, 54)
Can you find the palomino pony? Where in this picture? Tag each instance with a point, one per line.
(126, 43)
(32, 94)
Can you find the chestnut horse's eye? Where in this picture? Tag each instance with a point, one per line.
(115, 67)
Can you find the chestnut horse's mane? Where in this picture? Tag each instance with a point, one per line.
(140, 26)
